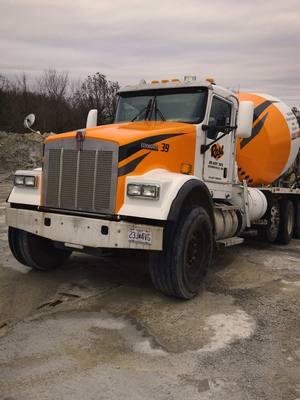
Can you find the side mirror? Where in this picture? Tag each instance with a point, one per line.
(245, 119)
(29, 121)
(91, 121)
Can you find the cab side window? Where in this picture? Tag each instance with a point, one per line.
(220, 115)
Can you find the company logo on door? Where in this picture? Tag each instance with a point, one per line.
(217, 151)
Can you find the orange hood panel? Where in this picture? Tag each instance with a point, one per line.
(128, 132)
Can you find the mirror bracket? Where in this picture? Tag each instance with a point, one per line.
(29, 121)
(226, 131)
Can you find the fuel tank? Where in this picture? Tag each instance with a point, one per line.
(274, 142)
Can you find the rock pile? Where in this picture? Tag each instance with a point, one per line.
(20, 151)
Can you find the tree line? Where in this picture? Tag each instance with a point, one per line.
(59, 103)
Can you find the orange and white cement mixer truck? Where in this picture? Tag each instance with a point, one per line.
(186, 166)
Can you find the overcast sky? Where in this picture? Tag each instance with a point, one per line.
(248, 44)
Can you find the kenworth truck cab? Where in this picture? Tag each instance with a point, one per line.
(162, 178)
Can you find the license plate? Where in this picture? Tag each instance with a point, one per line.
(139, 236)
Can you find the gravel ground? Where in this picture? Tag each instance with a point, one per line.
(96, 328)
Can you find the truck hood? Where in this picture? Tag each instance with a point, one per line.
(148, 131)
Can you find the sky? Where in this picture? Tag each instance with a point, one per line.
(247, 45)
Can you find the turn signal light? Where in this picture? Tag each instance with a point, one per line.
(186, 168)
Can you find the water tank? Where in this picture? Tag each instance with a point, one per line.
(274, 142)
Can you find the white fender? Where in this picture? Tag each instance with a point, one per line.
(170, 183)
(24, 194)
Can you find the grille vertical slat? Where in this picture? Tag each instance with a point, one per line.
(103, 180)
(53, 177)
(88, 177)
(68, 183)
(86, 180)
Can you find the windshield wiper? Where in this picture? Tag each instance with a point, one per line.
(157, 111)
(145, 109)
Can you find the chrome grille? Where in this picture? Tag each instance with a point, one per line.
(80, 180)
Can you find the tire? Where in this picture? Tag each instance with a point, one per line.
(13, 241)
(180, 268)
(297, 220)
(287, 221)
(269, 233)
(37, 252)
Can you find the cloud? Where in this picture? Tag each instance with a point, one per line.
(247, 44)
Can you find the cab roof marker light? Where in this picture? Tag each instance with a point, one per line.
(190, 78)
(175, 80)
(165, 81)
(211, 81)
(154, 82)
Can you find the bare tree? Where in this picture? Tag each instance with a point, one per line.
(54, 84)
(4, 83)
(97, 92)
(59, 104)
(22, 83)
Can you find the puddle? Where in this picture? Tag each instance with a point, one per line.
(95, 334)
(99, 334)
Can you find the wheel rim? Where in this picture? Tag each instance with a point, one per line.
(274, 221)
(194, 255)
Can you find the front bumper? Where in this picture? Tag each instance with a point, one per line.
(81, 231)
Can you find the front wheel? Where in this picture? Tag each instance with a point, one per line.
(179, 269)
(35, 251)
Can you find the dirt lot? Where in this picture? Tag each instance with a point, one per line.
(96, 329)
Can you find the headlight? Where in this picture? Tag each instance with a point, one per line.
(23, 180)
(143, 191)
(19, 180)
(134, 190)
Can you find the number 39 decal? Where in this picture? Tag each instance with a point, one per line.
(165, 147)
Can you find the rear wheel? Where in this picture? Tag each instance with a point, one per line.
(179, 269)
(269, 233)
(35, 251)
(297, 220)
(287, 221)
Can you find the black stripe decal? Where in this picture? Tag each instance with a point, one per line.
(129, 149)
(261, 108)
(257, 113)
(131, 166)
(255, 131)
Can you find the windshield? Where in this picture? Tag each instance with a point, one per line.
(181, 105)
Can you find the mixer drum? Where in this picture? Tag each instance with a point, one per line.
(274, 142)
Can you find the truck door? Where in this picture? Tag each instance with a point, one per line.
(218, 159)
